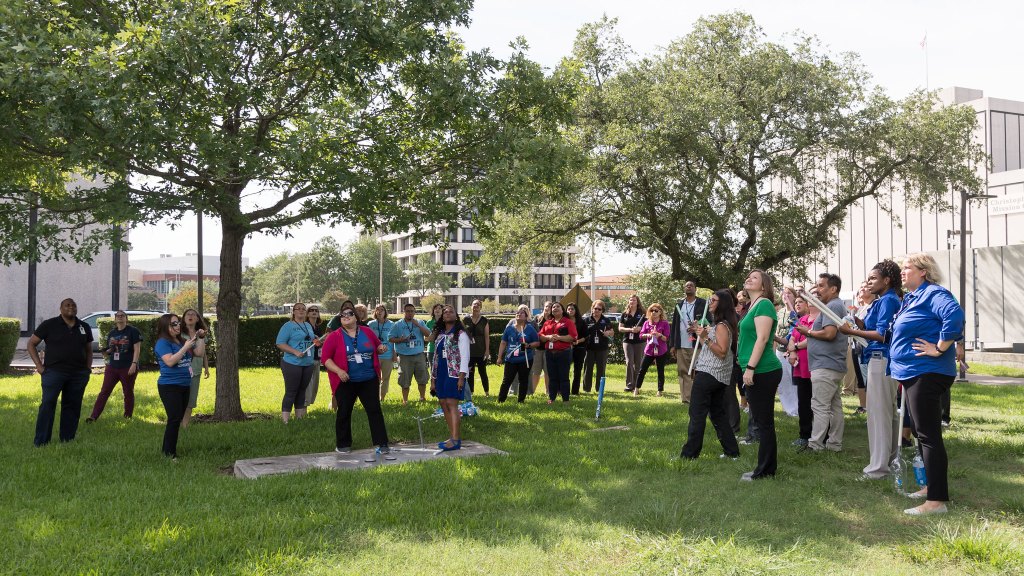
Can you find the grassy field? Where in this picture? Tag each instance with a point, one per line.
(566, 500)
(995, 370)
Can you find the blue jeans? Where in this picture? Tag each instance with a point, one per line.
(70, 387)
(558, 373)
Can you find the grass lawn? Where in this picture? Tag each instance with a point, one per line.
(995, 370)
(565, 501)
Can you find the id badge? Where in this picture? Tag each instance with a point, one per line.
(81, 330)
(472, 340)
(516, 353)
(597, 339)
(551, 345)
(117, 356)
(412, 343)
(191, 374)
(358, 358)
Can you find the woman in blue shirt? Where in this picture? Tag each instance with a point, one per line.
(884, 282)
(516, 353)
(296, 339)
(381, 326)
(174, 356)
(922, 357)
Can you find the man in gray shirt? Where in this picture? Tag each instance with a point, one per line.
(826, 357)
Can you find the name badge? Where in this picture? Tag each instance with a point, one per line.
(358, 358)
(412, 343)
(597, 339)
(472, 340)
(551, 345)
(117, 356)
(516, 353)
(81, 330)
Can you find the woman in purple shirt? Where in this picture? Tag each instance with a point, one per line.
(922, 357)
(655, 332)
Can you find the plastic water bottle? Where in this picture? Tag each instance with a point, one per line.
(919, 474)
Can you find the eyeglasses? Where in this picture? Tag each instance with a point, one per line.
(175, 324)
(311, 310)
(348, 314)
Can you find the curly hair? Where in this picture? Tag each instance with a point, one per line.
(891, 270)
(440, 327)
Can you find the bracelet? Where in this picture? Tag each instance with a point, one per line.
(749, 367)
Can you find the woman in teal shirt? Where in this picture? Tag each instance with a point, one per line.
(762, 370)
(296, 340)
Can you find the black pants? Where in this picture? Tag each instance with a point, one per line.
(480, 363)
(558, 373)
(732, 407)
(513, 371)
(946, 400)
(70, 388)
(175, 399)
(296, 380)
(660, 361)
(598, 358)
(579, 356)
(368, 393)
(761, 397)
(708, 398)
(803, 397)
(924, 395)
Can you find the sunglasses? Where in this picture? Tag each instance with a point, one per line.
(348, 314)
(175, 324)
(311, 310)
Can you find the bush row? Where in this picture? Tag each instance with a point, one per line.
(10, 331)
(257, 336)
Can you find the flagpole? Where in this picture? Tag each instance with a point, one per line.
(924, 44)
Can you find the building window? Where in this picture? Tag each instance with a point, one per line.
(507, 281)
(550, 281)
(450, 257)
(470, 256)
(468, 235)
(471, 281)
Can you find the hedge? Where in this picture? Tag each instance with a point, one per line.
(10, 331)
(146, 325)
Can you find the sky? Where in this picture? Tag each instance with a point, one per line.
(969, 44)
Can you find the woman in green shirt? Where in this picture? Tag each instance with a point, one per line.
(435, 317)
(762, 370)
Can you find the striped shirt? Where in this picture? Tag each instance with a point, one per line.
(718, 368)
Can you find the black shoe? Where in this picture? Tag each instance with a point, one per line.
(859, 411)
(90, 420)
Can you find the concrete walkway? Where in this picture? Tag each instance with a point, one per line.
(355, 460)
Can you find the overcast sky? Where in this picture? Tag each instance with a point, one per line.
(970, 44)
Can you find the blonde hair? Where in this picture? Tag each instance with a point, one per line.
(661, 311)
(925, 262)
(524, 308)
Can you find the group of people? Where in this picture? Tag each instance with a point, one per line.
(909, 326)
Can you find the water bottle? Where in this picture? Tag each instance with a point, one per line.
(919, 474)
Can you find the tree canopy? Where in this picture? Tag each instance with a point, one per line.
(262, 115)
(725, 151)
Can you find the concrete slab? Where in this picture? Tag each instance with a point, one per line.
(355, 460)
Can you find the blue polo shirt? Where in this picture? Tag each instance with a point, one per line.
(403, 328)
(879, 318)
(932, 314)
(514, 343)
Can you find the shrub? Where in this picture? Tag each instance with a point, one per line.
(10, 331)
(256, 341)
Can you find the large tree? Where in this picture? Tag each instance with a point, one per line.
(726, 151)
(427, 277)
(361, 278)
(262, 114)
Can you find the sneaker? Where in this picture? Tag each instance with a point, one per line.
(799, 442)
(343, 450)
(859, 411)
(747, 477)
(945, 423)
(385, 451)
(659, 392)
(747, 441)
(736, 457)
(941, 509)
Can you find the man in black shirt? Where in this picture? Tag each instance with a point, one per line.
(65, 372)
(598, 336)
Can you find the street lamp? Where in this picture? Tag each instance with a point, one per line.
(965, 197)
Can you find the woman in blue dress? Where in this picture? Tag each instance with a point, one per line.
(448, 373)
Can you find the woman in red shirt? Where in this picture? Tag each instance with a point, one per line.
(557, 336)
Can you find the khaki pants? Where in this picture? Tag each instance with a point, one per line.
(386, 367)
(850, 379)
(882, 416)
(683, 358)
(827, 406)
(412, 365)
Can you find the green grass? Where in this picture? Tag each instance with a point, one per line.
(564, 501)
(996, 370)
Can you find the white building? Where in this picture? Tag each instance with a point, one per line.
(166, 273)
(551, 277)
(995, 229)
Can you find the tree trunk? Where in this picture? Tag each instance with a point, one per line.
(228, 405)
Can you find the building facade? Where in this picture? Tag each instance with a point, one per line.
(994, 234)
(168, 272)
(550, 279)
